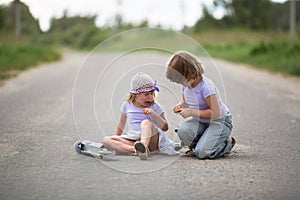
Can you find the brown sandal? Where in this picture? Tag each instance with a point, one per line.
(141, 149)
(189, 153)
(233, 141)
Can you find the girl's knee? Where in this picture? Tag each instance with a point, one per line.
(146, 123)
(183, 132)
(203, 151)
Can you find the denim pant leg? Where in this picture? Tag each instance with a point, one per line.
(214, 141)
(188, 130)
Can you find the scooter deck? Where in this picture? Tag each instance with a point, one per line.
(90, 148)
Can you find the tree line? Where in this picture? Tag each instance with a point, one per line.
(251, 14)
(82, 32)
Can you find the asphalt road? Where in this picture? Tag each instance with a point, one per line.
(46, 109)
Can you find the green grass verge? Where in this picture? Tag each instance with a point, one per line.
(276, 52)
(272, 51)
(281, 56)
(15, 57)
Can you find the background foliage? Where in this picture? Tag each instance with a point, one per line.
(252, 31)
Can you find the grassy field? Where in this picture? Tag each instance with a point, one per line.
(273, 51)
(263, 50)
(276, 56)
(18, 56)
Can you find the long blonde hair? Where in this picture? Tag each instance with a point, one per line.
(130, 97)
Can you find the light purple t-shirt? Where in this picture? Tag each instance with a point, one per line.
(136, 115)
(195, 97)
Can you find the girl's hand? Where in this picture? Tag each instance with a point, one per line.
(177, 109)
(148, 111)
(186, 112)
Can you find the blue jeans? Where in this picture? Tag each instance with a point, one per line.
(207, 140)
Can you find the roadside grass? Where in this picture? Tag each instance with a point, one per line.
(146, 39)
(18, 56)
(277, 56)
(272, 51)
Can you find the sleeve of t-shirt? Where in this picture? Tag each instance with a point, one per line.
(209, 89)
(124, 107)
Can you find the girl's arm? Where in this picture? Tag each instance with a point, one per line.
(121, 124)
(162, 123)
(213, 111)
(160, 119)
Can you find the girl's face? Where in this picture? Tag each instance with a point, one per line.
(144, 99)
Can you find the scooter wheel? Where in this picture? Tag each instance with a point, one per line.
(77, 146)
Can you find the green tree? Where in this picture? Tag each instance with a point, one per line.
(254, 14)
(76, 31)
(29, 25)
(205, 22)
(144, 23)
(257, 14)
(66, 23)
(2, 18)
